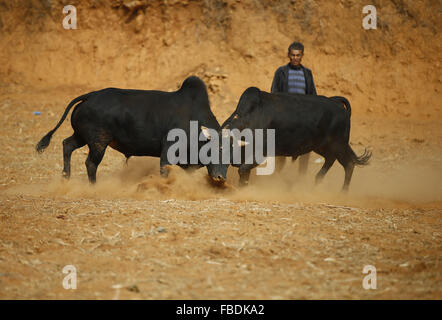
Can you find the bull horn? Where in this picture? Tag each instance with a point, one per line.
(206, 132)
(242, 143)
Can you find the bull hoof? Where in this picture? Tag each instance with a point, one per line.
(243, 183)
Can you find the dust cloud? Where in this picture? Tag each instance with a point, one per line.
(372, 185)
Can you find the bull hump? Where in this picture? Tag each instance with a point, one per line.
(252, 94)
(193, 82)
(253, 90)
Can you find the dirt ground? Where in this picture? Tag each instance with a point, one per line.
(135, 235)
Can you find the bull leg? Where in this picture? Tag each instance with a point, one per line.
(346, 160)
(303, 163)
(244, 173)
(69, 145)
(348, 174)
(244, 177)
(164, 171)
(329, 160)
(96, 153)
(279, 163)
(190, 169)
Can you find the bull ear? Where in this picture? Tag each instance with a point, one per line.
(206, 132)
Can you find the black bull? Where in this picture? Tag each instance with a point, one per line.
(136, 123)
(302, 123)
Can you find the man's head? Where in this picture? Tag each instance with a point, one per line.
(295, 54)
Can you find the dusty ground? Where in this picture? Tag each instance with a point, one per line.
(181, 238)
(277, 239)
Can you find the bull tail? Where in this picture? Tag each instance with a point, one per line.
(344, 101)
(46, 140)
(361, 160)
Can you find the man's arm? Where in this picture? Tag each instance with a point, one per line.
(311, 84)
(276, 85)
(313, 87)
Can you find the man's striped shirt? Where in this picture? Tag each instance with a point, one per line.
(296, 81)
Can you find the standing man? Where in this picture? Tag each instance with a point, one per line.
(294, 78)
